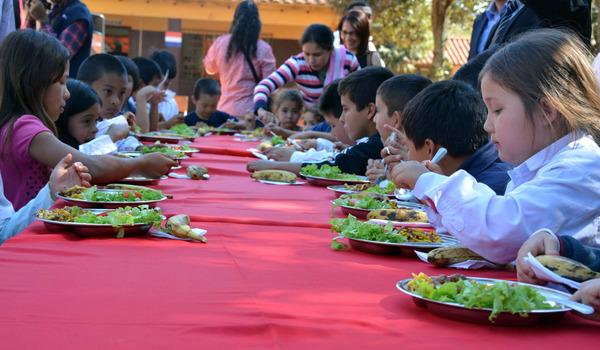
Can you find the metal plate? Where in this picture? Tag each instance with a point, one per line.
(154, 138)
(95, 230)
(324, 182)
(477, 315)
(407, 248)
(141, 180)
(82, 203)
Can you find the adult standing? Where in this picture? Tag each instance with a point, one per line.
(317, 65)
(71, 23)
(241, 59)
(483, 25)
(355, 33)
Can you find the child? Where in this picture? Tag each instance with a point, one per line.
(311, 118)
(168, 110)
(206, 97)
(12, 223)
(544, 242)
(287, 107)
(451, 114)
(150, 91)
(543, 107)
(76, 126)
(357, 92)
(107, 76)
(133, 83)
(34, 94)
(390, 100)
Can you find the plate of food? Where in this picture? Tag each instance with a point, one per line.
(485, 300)
(276, 177)
(329, 176)
(142, 180)
(161, 149)
(360, 204)
(383, 240)
(158, 136)
(121, 222)
(409, 224)
(182, 147)
(205, 130)
(387, 191)
(127, 154)
(110, 198)
(183, 131)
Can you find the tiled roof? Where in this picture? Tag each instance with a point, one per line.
(294, 2)
(457, 52)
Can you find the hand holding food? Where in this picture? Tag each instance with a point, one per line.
(275, 175)
(63, 176)
(197, 172)
(155, 165)
(267, 117)
(541, 243)
(405, 175)
(282, 154)
(179, 226)
(375, 170)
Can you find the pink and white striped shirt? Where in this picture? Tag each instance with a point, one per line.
(341, 63)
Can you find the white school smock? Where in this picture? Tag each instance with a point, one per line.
(558, 189)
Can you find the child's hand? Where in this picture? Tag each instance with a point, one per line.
(250, 120)
(201, 124)
(541, 243)
(158, 97)
(64, 177)
(175, 120)
(339, 146)
(405, 175)
(279, 153)
(397, 141)
(259, 165)
(432, 167)
(155, 165)
(118, 132)
(589, 294)
(267, 117)
(374, 170)
(392, 156)
(130, 120)
(307, 143)
(231, 124)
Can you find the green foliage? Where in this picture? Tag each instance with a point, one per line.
(402, 29)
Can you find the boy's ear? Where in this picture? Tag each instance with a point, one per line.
(397, 120)
(550, 112)
(430, 146)
(194, 99)
(142, 84)
(372, 110)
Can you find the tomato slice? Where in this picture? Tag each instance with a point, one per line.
(135, 193)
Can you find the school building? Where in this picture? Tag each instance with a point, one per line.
(188, 27)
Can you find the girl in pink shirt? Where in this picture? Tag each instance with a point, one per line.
(227, 57)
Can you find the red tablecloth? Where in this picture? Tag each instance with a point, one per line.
(266, 279)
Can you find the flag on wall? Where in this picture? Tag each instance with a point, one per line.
(173, 39)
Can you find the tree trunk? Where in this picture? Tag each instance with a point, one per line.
(439, 22)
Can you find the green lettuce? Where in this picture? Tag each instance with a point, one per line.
(165, 150)
(92, 194)
(183, 129)
(365, 202)
(123, 217)
(353, 228)
(326, 171)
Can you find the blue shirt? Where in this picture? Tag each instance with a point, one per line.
(486, 167)
(215, 120)
(493, 16)
(322, 126)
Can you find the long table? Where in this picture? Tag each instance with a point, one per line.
(266, 279)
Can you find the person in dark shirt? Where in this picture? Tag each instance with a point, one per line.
(451, 114)
(207, 93)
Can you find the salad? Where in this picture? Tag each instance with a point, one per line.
(183, 129)
(353, 228)
(362, 201)
(117, 218)
(326, 171)
(165, 150)
(94, 195)
(388, 189)
(499, 297)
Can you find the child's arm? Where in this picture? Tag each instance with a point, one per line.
(175, 120)
(48, 150)
(117, 132)
(285, 133)
(314, 135)
(589, 294)
(265, 165)
(143, 118)
(274, 81)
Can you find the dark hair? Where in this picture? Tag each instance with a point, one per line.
(362, 85)
(316, 112)
(132, 70)
(245, 29)
(30, 62)
(288, 95)
(166, 61)
(82, 98)
(329, 102)
(97, 66)
(148, 69)
(357, 4)
(397, 91)
(469, 73)
(206, 86)
(450, 113)
(360, 23)
(319, 34)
